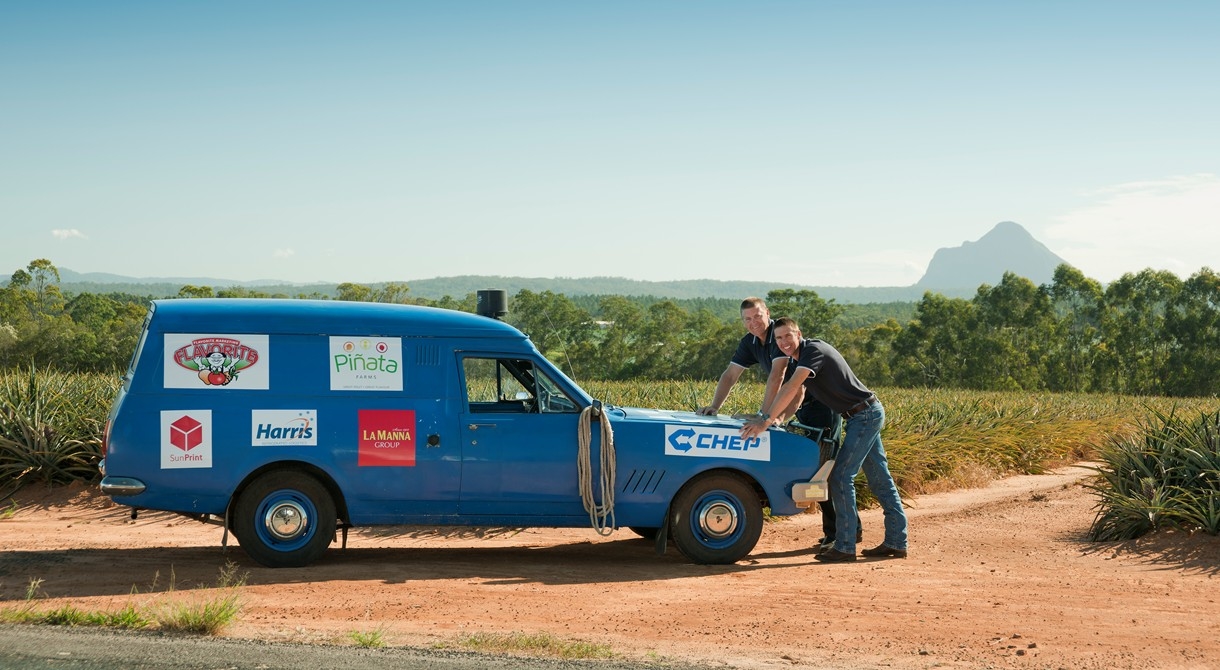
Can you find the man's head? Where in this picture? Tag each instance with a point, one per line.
(788, 336)
(755, 316)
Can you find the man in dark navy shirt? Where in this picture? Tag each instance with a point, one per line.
(757, 347)
(822, 372)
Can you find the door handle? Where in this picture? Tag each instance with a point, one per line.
(476, 426)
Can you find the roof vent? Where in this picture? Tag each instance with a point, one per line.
(492, 302)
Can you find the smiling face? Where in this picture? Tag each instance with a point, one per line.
(756, 320)
(788, 338)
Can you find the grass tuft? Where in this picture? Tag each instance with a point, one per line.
(195, 614)
(374, 639)
(534, 644)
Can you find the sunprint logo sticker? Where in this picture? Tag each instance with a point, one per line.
(186, 438)
(284, 428)
(365, 363)
(194, 361)
(710, 442)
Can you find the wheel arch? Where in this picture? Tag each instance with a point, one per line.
(324, 478)
(744, 476)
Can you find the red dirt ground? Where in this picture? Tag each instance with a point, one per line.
(997, 577)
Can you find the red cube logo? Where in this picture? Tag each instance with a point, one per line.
(186, 433)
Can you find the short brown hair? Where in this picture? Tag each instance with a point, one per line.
(789, 322)
(752, 302)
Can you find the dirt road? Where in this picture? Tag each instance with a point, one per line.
(997, 577)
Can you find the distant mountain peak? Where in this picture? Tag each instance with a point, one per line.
(1007, 247)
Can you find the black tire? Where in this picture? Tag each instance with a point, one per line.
(646, 532)
(716, 519)
(285, 519)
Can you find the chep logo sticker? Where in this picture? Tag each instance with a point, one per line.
(716, 443)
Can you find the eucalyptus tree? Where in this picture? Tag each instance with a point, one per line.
(932, 350)
(562, 331)
(1076, 344)
(812, 312)
(1011, 328)
(37, 287)
(1192, 324)
(1136, 350)
(620, 325)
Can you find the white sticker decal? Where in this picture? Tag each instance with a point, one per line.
(716, 443)
(365, 363)
(234, 362)
(186, 438)
(284, 428)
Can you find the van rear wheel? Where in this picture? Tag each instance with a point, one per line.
(285, 519)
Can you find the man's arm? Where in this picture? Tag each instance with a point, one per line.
(727, 379)
(787, 394)
(776, 379)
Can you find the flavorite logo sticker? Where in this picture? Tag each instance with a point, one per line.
(284, 428)
(387, 437)
(186, 438)
(365, 363)
(195, 361)
(716, 443)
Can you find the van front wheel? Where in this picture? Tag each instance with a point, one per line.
(285, 519)
(716, 519)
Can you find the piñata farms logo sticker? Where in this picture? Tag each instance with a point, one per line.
(365, 363)
(216, 361)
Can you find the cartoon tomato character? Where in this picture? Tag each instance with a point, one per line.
(216, 369)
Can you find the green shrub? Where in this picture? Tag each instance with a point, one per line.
(51, 425)
(1166, 476)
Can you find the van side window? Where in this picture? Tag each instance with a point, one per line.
(512, 385)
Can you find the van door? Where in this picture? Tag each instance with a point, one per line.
(519, 442)
(407, 464)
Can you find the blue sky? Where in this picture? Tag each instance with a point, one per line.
(813, 143)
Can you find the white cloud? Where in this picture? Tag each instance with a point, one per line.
(1168, 224)
(66, 233)
(283, 253)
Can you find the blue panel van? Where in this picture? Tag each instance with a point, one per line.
(290, 420)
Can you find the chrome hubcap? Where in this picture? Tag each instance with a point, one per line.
(718, 519)
(286, 520)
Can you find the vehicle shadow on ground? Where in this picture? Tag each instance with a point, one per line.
(91, 572)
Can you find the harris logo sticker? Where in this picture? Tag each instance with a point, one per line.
(716, 443)
(216, 361)
(284, 428)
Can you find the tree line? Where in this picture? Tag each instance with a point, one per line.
(1147, 333)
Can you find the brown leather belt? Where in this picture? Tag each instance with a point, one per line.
(864, 404)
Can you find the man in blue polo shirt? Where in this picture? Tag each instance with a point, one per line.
(757, 347)
(822, 372)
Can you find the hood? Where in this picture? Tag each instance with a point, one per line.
(643, 415)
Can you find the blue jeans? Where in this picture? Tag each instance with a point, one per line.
(862, 449)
